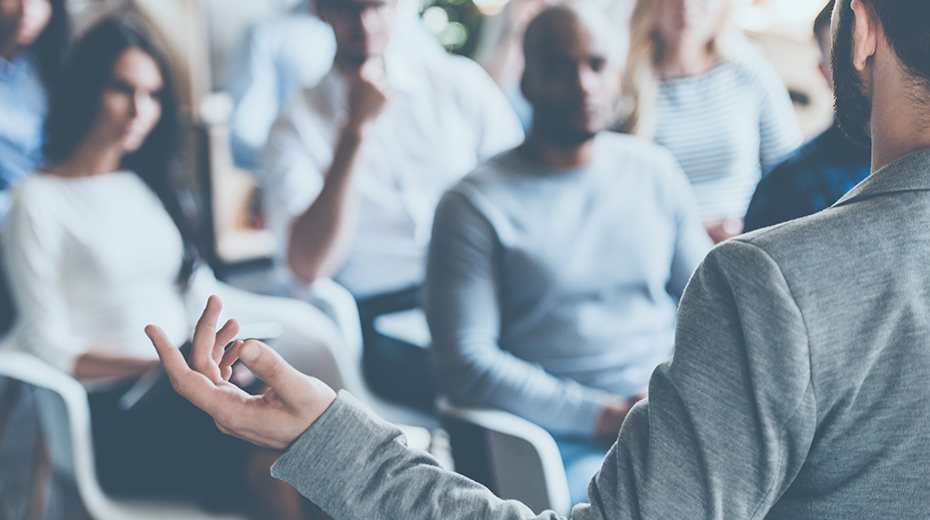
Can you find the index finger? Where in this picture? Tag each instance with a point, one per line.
(205, 336)
(171, 358)
(192, 385)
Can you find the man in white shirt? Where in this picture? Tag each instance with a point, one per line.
(282, 55)
(355, 166)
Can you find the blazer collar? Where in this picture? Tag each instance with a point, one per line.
(908, 173)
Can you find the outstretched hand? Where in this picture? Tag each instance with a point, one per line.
(292, 403)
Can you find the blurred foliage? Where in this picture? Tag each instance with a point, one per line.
(456, 23)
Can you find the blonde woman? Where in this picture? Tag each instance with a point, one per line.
(695, 85)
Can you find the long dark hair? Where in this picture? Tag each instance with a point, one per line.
(52, 44)
(75, 103)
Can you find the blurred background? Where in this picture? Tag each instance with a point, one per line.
(204, 35)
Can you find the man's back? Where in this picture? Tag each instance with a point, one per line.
(794, 347)
(860, 278)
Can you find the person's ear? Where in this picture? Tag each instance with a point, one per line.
(526, 87)
(826, 72)
(865, 34)
(320, 10)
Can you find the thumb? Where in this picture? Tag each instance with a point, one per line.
(289, 383)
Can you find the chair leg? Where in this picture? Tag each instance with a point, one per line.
(10, 392)
(41, 481)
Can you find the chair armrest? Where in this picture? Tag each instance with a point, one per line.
(67, 430)
(507, 431)
(338, 303)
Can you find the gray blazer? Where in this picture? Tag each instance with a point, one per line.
(800, 389)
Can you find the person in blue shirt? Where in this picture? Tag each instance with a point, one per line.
(280, 56)
(817, 174)
(33, 38)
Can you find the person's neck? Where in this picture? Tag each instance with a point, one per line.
(684, 60)
(900, 124)
(89, 161)
(349, 66)
(552, 155)
(10, 52)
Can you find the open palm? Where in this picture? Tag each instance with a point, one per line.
(292, 402)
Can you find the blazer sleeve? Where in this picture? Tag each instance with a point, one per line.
(727, 426)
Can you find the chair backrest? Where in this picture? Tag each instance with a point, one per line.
(512, 456)
(64, 415)
(338, 303)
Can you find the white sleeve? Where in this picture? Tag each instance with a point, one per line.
(253, 83)
(32, 253)
(495, 119)
(295, 162)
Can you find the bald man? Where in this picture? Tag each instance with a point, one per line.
(555, 270)
(799, 384)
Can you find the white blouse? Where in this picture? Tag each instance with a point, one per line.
(91, 261)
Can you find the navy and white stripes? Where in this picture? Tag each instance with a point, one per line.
(726, 128)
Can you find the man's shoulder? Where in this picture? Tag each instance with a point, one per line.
(322, 101)
(752, 69)
(797, 168)
(454, 67)
(489, 175)
(630, 155)
(633, 148)
(281, 27)
(815, 246)
(457, 74)
(813, 177)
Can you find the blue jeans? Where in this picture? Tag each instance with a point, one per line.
(582, 459)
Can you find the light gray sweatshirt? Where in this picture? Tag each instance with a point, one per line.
(548, 290)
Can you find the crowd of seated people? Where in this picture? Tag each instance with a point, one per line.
(549, 261)
(354, 168)
(97, 245)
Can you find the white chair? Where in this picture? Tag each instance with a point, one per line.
(338, 303)
(64, 416)
(515, 458)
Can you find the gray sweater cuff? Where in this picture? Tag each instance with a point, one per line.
(324, 458)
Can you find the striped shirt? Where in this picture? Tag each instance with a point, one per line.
(726, 127)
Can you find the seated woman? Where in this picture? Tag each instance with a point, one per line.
(697, 87)
(97, 246)
(555, 269)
